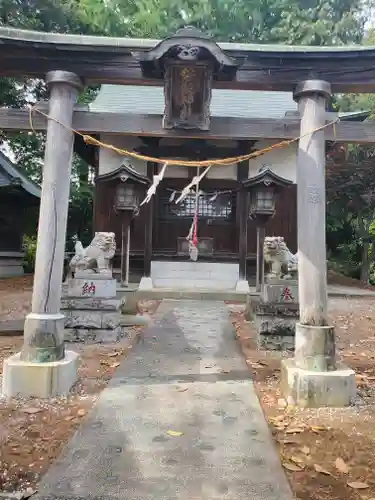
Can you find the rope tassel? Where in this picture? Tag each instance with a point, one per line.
(155, 183)
(195, 182)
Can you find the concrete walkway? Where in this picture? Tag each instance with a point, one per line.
(187, 377)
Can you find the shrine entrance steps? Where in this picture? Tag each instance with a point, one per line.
(193, 280)
(188, 275)
(180, 420)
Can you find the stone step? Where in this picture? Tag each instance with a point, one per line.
(194, 275)
(194, 284)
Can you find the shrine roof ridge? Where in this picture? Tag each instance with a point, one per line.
(144, 44)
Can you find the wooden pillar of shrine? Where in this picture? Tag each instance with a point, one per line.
(149, 226)
(243, 207)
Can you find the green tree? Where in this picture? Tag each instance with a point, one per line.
(310, 22)
(351, 207)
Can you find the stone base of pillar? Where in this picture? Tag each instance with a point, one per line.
(146, 284)
(44, 338)
(315, 348)
(242, 286)
(42, 380)
(308, 389)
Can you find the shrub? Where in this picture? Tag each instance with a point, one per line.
(29, 247)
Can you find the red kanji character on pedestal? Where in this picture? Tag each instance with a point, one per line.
(286, 295)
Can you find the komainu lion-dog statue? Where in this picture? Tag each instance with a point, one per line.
(94, 258)
(283, 263)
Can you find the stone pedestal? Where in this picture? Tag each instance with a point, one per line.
(92, 312)
(315, 389)
(41, 380)
(276, 315)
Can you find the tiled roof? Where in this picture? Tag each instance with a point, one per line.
(10, 174)
(225, 102)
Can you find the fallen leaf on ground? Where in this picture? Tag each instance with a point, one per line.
(321, 470)
(81, 412)
(318, 428)
(115, 365)
(31, 411)
(294, 430)
(292, 467)
(287, 441)
(357, 485)
(341, 466)
(305, 450)
(255, 364)
(113, 354)
(70, 417)
(175, 433)
(297, 460)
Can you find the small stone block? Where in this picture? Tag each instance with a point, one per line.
(91, 288)
(273, 325)
(83, 319)
(95, 335)
(146, 284)
(284, 292)
(134, 320)
(110, 321)
(42, 380)
(307, 389)
(242, 286)
(129, 302)
(89, 275)
(276, 342)
(275, 333)
(89, 304)
(92, 319)
(279, 310)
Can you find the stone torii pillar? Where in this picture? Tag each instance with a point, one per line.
(314, 377)
(44, 368)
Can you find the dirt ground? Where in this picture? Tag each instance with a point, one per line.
(33, 431)
(328, 454)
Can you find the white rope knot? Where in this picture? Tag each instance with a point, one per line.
(155, 183)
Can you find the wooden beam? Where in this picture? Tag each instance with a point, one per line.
(221, 128)
(188, 151)
(116, 60)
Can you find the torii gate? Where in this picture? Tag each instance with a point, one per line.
(67, 62)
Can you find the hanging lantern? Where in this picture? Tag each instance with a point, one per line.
(263, 200)
(127, 196)
(263, 189)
